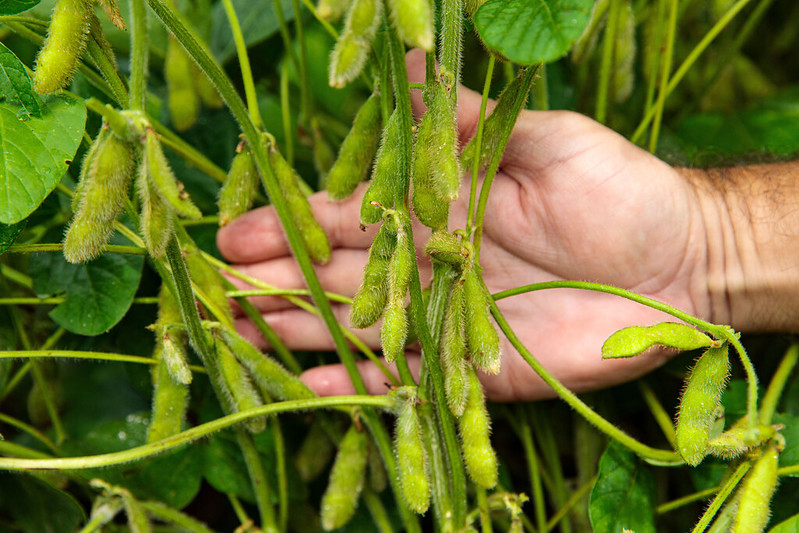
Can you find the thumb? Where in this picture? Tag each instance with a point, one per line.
(333, 380)
(468, 100)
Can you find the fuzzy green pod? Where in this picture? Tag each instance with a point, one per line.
(411, 459)
(475, 427)
(183, 100)
(394, 330)
(385, 185)
(340, 500)
(107, 172)
(370, 300)
(111, 10)
(65, 43)
(170, 398)
(209, 281)
(481, 335)
(401, 268)
(631, 341)
(756, 491)
(238, 388)
(436, 153)
(267, 372)
(313, 236)
(376, 472)
(162, 177)
(332, 10)
(700, 399)
(314, 453)
(737, 440)
(138, 521)
(414, 21)
(453, 350)
(353, 45)
(356, 151)
(157, 216)
(240, 188)
(208, 94)
(428, 207)
(447, 248)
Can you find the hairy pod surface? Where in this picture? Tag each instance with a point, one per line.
(446, 247)
(157, 216)
(182, 97)
(633, 340)
(436, 152)
(209, 281)
(700, 399)
(170, 398)
(106, 175)
(756, 491)
(314, 453)
(242, 394)
(475, 428)
(65, 43)
(267, 372)
(313, 236)
(355, 42)
(331, 10)
(414, 476)
(482, 339)
(240, 188)
(376, 471)
(370, 300)
(735, 442)
(164, 179)
(414, 21)
(401, 269)
(356, 151)
(340, 500)
(385, 186)
(394, 330)
(453, 350)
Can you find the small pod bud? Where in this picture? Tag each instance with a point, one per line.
(475, 427)
(314, 453)
(107, 172)
(734, 443)
(356, 151)
(174, 341)
(66, 40)
(411, 459)
(370, 300)
(331, 10)
(156, 215)
(313, 236)
(481, 335)
(394, 330)
(756, 491)
(267, 372)
(414, 21)
(347, 60)
(363, 18)
(446, 247)
(631, 341)
(385, 186)
(164, 179)
(241, 395)
(453, 350)
(700, 399)
(184, 102)
(340, 500)
(240, 188)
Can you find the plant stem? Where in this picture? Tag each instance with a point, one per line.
(260, 484)
(95, 356)
(769, 404)
(664, 76)
(658, 412)
(381, 520)
(541, 90)
(282, 479)
(285, 109)
(109, 73)
(482, 504)
(685, 500)
(138, 55)
(479, 143)
(607, 63)
(59, 247)
(450, 43)
(526, 436)
(30, 430)
(721, 496)
(244, 64)
(172, 516)
(325, 24)
(302, 66)
(654, 60)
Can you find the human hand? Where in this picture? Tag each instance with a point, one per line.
(572, 200)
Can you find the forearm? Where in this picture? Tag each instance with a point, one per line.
(750, 216)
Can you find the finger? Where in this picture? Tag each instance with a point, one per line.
(333, 380)
(259, 236)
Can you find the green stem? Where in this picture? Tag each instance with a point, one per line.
(138, 55)
(478, 148)
(575, 497)
(550, 453)
(450, 41)
(658, 412)
(284, 34)
(260, 484)
(526, 436)
(282, 474)
(654, 60)
(772, 397)
(541, 90)
(685, 500)
(380, 517)
(59, 247)
(302, 73)
(94, 356)
(172, 516)
(721, 497)
(285, 109)
(688, 63)
(16, 276)
(482, 505)
(109, 73)
(244, 63)
(664, 76)
(49, 402)
(185, 437)
(333, 297)
(607, 62)
(325, 24)
(30, 430)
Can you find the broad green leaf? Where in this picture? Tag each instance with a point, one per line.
(788, 526)
(532, 31)
(35, 153)
(258, 22)
(790, 455)
(224, 467)
(623, 496)
(9, 233)
(97, 294)
(12, 7)
(37, 507)
(15, 84)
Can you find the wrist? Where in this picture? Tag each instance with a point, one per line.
(750, 217)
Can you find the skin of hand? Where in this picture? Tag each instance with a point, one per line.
(572, 200)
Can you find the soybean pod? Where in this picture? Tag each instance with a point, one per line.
(240, 188)
(411, 459)
(385, 186)
(340, 500)
(66, 40)
(453, 350)
(481, 335)
(370, 300)
(475, 428)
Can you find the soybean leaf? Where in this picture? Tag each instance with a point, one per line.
(35, 152)
(12, 7)
(97, 294)
(224, 467)
(9, 233)
(15, 84)
(623, 496)
(36, 507)
(258, 22)
(790, 525)
(532, 31)
(790, 455)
